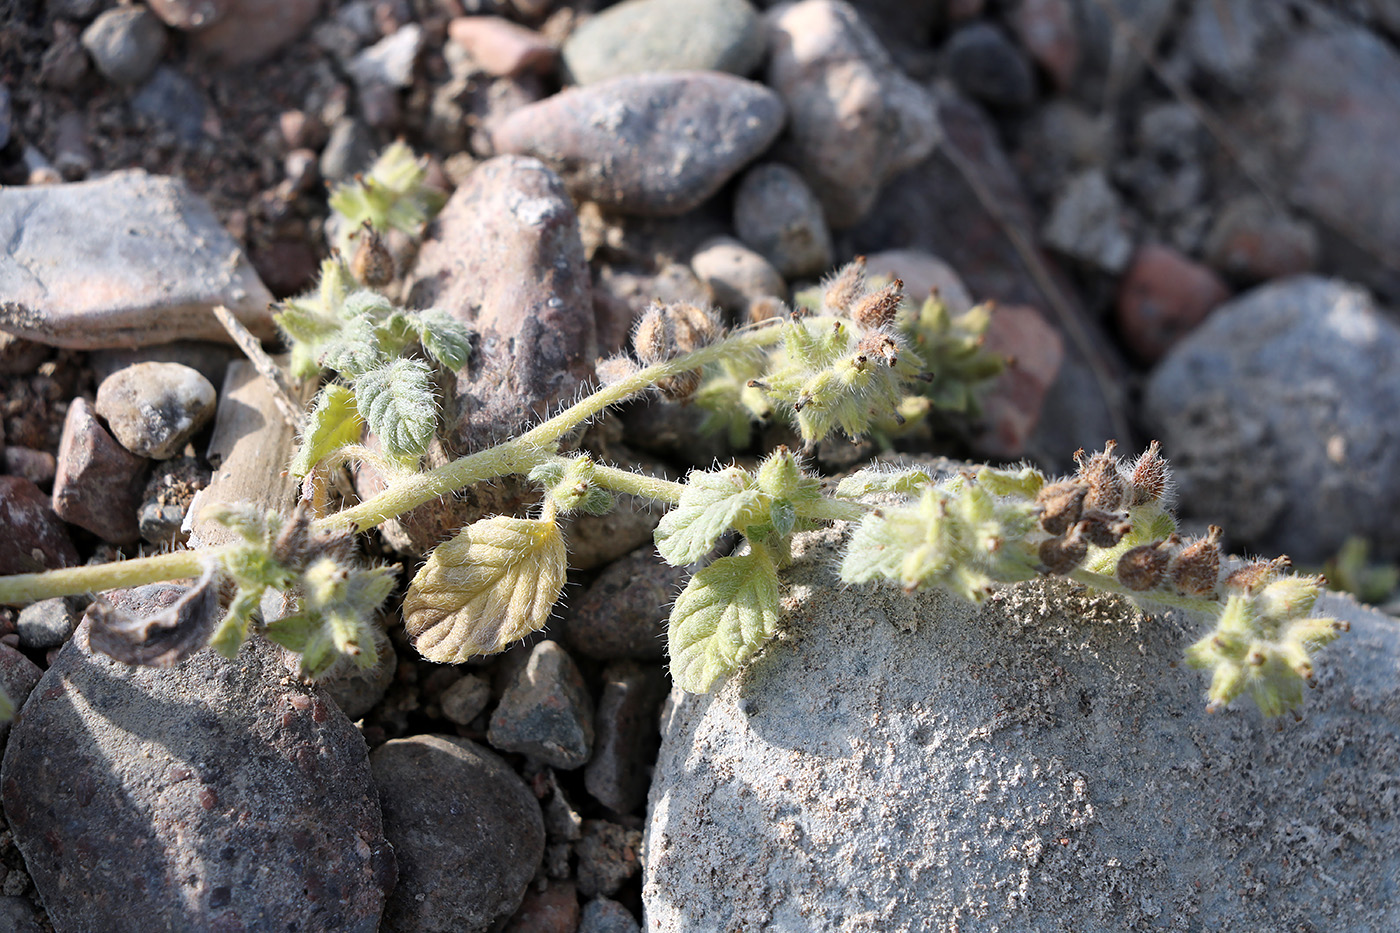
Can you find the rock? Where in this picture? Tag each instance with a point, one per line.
(855, 120)
(190, 15)
(126, 44)
(1043, 762)
(212, 795)
(350, 149)
(655, 144)
(1387, 14)
(500, 47)
(65, 63)
(608, 855)
(5, 116)
(1012, 407)
(155, 408)
(37, 466)
(626, 722)
(466, 830)
(126, 260)
(546, 711)
(389, 62)
(251, 30)
(1269, 413)
(504, 256)
(172, 99)
(665, 35)
(988, 67)
(604, 915)
(1108, 63)
(210, 359)
(922, 274)
(622, 293)
(1252, 242)
(551, 910)
(598, 540)
(34, 538)
(1046, 30)
(1162, 297)
(20, 357)
(778, 215)
(1331, 124)
(737, 275)
(18, 675)
(1087, 223)
(48, 623)
(623, 612)
(358, 691)
(465, 699)
(97, 483)
(1225, 39)
(15, 913)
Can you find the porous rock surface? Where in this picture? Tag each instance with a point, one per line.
(215, 795)
(1043, 763)
(1277, 415)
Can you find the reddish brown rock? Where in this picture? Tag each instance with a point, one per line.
(552, 910)
(98, 483)
(34, 538)
(655, 144)
(251, 30)
(500, 47)
(1252, 242)
(1012, 407)
(1163, 296)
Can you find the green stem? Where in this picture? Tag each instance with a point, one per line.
(71, 581)
(1099, 581)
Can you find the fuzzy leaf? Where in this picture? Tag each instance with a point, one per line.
(333, 423)
(877, 546)
(710, 505)
(233, 630)
(869, 482)
(397, 403)
(491, 585)
(354, 350)
(727, 612)
(293, 632)
(446, 339)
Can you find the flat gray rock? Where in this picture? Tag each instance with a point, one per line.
(1278, 415)
(127, 260)
(214, 795)
(1045, 763)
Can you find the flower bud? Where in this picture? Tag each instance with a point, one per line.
(843, 289)
(654, 338)
(372, 264)
(1060, 504)
(1104, 529)
(1061, 555)
(1151, 477)
(1142, 568)
(1195, 571)
(877, 345)
(879, 308)
(1106, 486)
(693, 327)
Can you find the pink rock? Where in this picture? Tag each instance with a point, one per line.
(1035, 351)
(500, 47)
(98, 483)
(251, 30)
(1253, 242)
(1163, 296)
(922, 274)
(1046, 30)
(34, 539)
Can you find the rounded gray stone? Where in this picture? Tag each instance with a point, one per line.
(776, 213)
(48, 623)
(988, 67)
(126, 44)
(466, 830)
(1042, 763)
(153, 409)
(665, 35)
(1278, 415)
(212, 795)
(605, 915)
(737, 275)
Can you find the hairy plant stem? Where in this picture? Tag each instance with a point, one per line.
(1105, 583)
(70, 581)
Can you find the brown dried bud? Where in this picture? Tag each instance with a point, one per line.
(1061, 555)
(1106, 486)
(1257, 573)
(372, 264)
(1195, 570)
(877, 346)
(844, 288)
(1142, 568)
(1104, 529)
(1061, 504)
(879, 308)
(681, 386)
(1151, 477)
(694, 327)
(654, 340)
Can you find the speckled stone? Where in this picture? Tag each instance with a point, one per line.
(34, 538)
(126, 44)
(776, 213)
(623, 612)
(155, 408)
(618, 775)
(546, 711)
(18, 675)
(665, 35)
(213, 795)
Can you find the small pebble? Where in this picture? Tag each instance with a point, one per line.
(605, 915)
(465, 699)
(349, 149)
(989, 68)
(126, 44)
(1162, 297)
(776, 213)
(1252, 242)
(167, 499)
(97, 484)
(546, 711)
(553, 909)
(1046, 29)
(638, 36)
(72, 154)
(65, 63)
(301, 169)
(608, 855)
(48, 623)
(389, 62)
(618, 775)
(191, 15)
(154, 409)
(737, 275)
(37, 466)
(175, 101)
(1087, 223)
(502, 48)
(357, 691)
(34, 539)
(251, 30)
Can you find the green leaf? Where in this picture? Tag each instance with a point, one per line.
(446, 339)
(293, 632)
(233, 630)
(354, 350)
(869, 482)
(366, 303)
(711, 504)
(333, 423)
(877, 547)
(726, 614)
(397, 403)
(7, 707)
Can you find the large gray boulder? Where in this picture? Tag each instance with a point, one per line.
(1041, 763)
